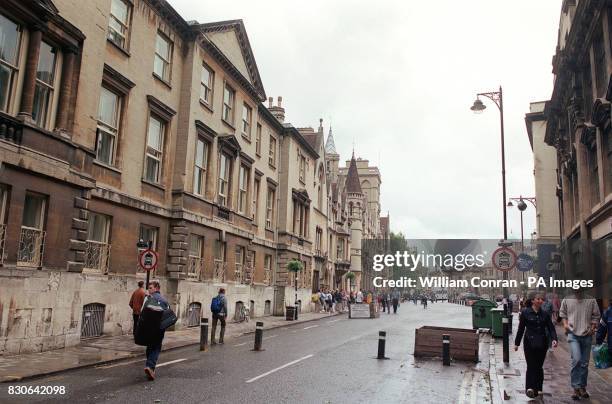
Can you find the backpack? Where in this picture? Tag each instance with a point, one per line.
(216, 305)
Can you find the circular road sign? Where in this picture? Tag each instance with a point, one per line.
(148, 260)
(504, 259)
(524, 262)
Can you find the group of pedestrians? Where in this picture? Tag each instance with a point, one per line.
(330, 301)
(580, 317)
(388, 300)
(149, 330)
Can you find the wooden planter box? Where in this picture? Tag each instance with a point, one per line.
(463, 343)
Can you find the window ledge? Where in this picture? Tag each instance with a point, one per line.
(118, 47)
(206, 105)
(164, 82)
(226, 123)
(272, 166)
(258, 155)
(153, 184)
(108, 167)
(246, 137)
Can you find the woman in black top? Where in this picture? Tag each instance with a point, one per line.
(538, 328)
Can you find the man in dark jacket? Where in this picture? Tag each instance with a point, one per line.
(154, 348)
(218, 307)
(605, 327)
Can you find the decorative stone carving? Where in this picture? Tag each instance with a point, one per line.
(588, 136)
(601, 113)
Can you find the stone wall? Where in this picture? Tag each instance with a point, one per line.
(43, 310)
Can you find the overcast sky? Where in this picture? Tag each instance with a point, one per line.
(397, 78)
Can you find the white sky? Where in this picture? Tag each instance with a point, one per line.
(397, 78)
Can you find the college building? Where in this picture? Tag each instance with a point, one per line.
(122, 125)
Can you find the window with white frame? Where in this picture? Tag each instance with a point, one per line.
(45, 85)
(224, 179)
(239, 271)
(247, 114)
(302, 167)
(201, 167)
(119, 23)
(206, 85)
(267, 269)
(10, 41)
(98, 247)
(256, 199)
(195, 264)
(32, 236)
(154, 151)
(243, 189)
(163, 57)
(149, 235)
(229, 95)
(109, 109)
(272, 151)
(270, 208)
(258, 140)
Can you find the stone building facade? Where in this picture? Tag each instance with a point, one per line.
(120, 121)
(578, 126)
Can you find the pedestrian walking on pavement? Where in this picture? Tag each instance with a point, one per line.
(359, 297)
(154, 301)
(580, 316)
(136, 301)
(424, 302)
(605, 328)
(395, 301)
(537, 327)
(218, 307)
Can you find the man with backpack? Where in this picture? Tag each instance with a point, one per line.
(150, 331)
(218, 307)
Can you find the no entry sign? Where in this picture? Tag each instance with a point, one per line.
(504, 259)
(148, 260)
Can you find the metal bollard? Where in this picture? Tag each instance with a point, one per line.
(506, 341)
(204, 334)
(258, 336)
(446, 350)
(382, 336)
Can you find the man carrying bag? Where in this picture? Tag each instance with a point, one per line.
(155, 317)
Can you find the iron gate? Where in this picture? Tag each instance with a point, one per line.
(193, 314)
(92, 323)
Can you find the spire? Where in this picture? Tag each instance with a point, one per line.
(330, 146)
(352, 178)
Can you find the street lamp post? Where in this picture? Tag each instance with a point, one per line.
(478, 107)
(522, 206)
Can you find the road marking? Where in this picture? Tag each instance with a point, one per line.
(271, 336)
(171, 362)
(241, 344)
(118, 364)
(312, 326)
(462, 390)
(333, 321)
(279, 368)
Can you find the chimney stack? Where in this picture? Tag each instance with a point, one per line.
(278, 111)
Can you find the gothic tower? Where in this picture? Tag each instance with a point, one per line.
(355, 201)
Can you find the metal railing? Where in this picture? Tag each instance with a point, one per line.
(195, 267)
(2, 241)
(31, 247)
(239, 273)
(97, 256)
(219, 271)
(249, 271)
(267, 277)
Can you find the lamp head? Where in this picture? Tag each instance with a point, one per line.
(510, 204)
(478, 106)
(522, 205)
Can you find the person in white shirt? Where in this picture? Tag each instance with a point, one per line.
(359, 298)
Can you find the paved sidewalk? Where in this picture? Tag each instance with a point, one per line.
(108, 349)
(557, 388)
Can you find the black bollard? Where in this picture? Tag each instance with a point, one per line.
(258, 336)
(382, 336)
(204, 335)
(446, 350)
(506, 335)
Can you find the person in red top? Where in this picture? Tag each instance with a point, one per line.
(136, 303)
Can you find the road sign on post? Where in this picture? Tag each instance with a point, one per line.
(504, 259)
(148, 260)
